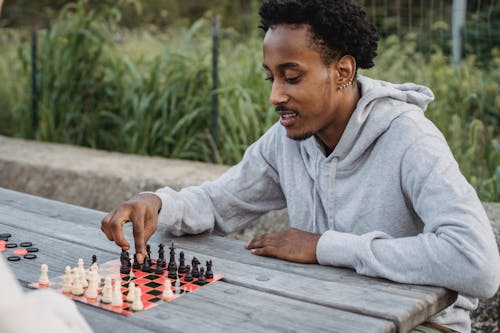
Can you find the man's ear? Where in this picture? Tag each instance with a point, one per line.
(346, 70)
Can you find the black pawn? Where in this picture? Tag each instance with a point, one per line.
(182, 263)
(124, 262)
(209, 273)
(146, 267)
(202, 280)
(161, 252)
(188, 277)
(159, 267)
(172, 273)
(195, 272)
(94, 259)
(136, 264)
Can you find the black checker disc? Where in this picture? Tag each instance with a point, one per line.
(32, 249)
(14, 258)
(30, 256)
(10, 245)
(6, 235)
(26, 244)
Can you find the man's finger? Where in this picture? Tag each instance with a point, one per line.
(116, 227)
(105, 225)
(264, 251)
(139, 241)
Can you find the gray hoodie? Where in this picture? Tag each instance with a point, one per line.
(389, 201)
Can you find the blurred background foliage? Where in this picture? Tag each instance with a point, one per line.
(135, 77)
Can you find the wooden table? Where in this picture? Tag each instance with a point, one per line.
(257, 294)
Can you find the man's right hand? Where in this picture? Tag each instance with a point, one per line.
(142, 210)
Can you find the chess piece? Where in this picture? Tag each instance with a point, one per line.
(209, 274)
(146, 266)
(107, 291)
(172, 265)
(68, 280)
(159, 267)
(167, 292)
(161, 252)
(43, 281)
(125, 262)
(201, 279)
(136, 264)
(182, 263)
(94, 259)
(77, 288)
(82, 275)
(137, 303)
(188, 277)
(195, 272)
(131, 291)
(172, 272)
(117, 298)
(91, 292)
(148, 251)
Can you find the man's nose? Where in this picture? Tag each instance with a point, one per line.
(278, 94)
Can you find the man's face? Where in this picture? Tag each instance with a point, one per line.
(303, 88)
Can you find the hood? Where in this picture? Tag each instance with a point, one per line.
(381, 102)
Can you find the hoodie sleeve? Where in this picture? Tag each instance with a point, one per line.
(457, 248)
(242, 194)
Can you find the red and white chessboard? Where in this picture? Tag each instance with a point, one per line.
(151, 285)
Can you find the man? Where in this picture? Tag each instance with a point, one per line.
(368, 181)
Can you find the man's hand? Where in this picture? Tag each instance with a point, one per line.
(292, 245)
(142, 210)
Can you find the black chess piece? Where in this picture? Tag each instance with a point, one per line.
(209, 274)
(172, 265)
(172, 273)
(188, 277)
(182, 263)
(136, 264)
(94, 259)
(146, 267)
(159, 267)
(148, 251)
(124, 262)
(161, 252)
(201, 279)
(195, 272)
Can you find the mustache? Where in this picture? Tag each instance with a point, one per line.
(281, 108)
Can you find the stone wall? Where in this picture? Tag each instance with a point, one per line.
(101, 180)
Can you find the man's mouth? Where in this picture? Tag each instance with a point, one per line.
(287, 117)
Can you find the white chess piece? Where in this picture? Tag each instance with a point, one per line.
(93, 286)
(44, 277)
(117, 299)
(167, 292)
(68, 280)
(77, 288)
(137, 304)
(82, 274)
(131, 291)
(107, 291)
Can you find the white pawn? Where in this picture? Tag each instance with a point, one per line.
(117, 299)
(93, 286)
(68, 280)
(107, 291)
(137, 304)
(82, 274)
(131, 292)
(43, 281)
(77, 288)
(167, 292)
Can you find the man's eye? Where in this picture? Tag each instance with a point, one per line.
(270, 79)
(294, 79)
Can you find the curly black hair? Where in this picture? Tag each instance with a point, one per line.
(338, 27)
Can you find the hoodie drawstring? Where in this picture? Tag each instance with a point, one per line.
(331, 201)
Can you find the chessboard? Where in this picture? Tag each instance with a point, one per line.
(152, 285)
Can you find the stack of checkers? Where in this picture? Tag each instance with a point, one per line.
(26, 251)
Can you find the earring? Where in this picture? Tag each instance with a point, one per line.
(341, 87)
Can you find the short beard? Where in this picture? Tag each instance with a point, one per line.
(302, 137)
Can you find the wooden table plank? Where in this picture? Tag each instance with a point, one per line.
(215, 307)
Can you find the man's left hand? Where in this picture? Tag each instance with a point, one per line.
(292, 245)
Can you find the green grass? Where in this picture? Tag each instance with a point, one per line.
(147, 92)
